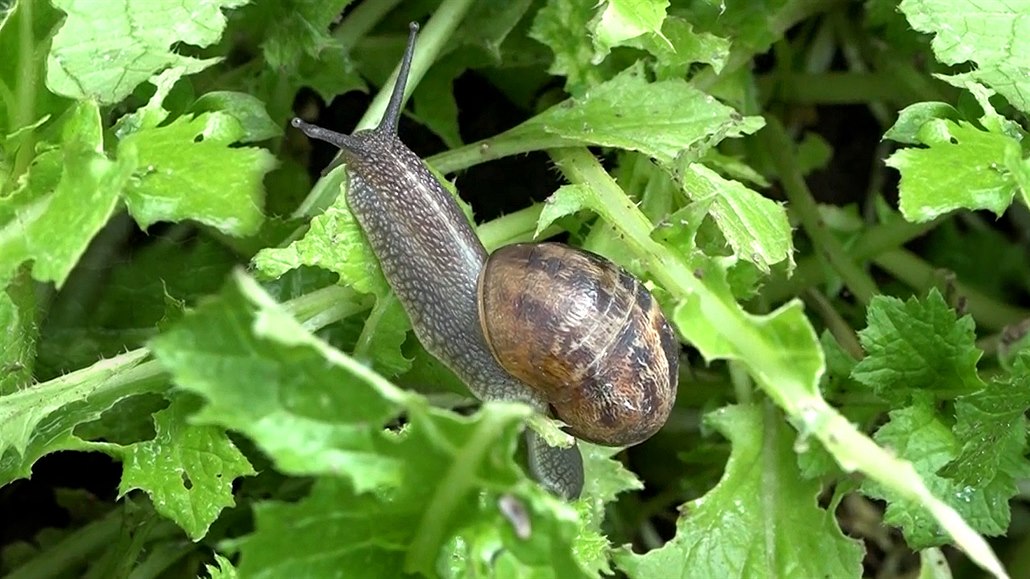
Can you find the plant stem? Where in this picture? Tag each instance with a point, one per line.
(318, 309)
(842, 332)
(493, 148)
(72, 551)
(832, 88)
(873, 241)
(160, 558)
(850, 47)
(517, 227)
(456, 485)
(24, 104)
(364, 344)
(742, 385)
(362, 20)
(913, 271)
(781, 151)
(129, 372)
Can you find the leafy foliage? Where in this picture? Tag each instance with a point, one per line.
(132, 40)
(189, 307)
(766, 496)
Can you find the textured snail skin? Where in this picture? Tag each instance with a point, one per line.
(587, 334)
(432, 259)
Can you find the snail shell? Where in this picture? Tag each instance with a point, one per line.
(586, 334)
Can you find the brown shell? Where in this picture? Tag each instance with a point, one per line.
(585, 333)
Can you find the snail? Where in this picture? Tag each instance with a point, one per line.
(560, 329)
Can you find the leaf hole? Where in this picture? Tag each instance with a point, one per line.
(186, 482)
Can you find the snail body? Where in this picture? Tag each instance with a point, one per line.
(436, 265)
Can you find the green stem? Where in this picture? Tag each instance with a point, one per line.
(832, 88)
(920, 275)
(74, 550)
(838, 326)
(431, 41)
(742, 385)
(455, 486)
(850, 46)
(25, 101)
(318, 309)
(874, 240)
(517, 227)
(129, 372)
(781, 151)
(493, 148)
(820, 51)
(368, 330)
(362, 20)
(160, 558)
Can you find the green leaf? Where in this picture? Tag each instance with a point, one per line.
(912, 118)
(748, 24)
(666, 120)
(187, 470)
(487, 25)
(383, 537)
(918, 346)
(385, 331)
(762, 519)
(161, 271)
(623, 20)
(69, 195)
(756, 228)
(245, 108)
(560, 25)
(992, 427)
(605, 479)
(298, 29)
(18, 333)
(434, 102)
(153, 113)
(334, 241)
(962, 167)
(919, 435)
(309, 407)
(38, 421)
(225, 569)
(680, 45)
(984, 258)
(784, 331)
(991, 34)
(129, 421)
(293, 49)
(315, 411)
(104, 50)
(183, 174)
(813, 153)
